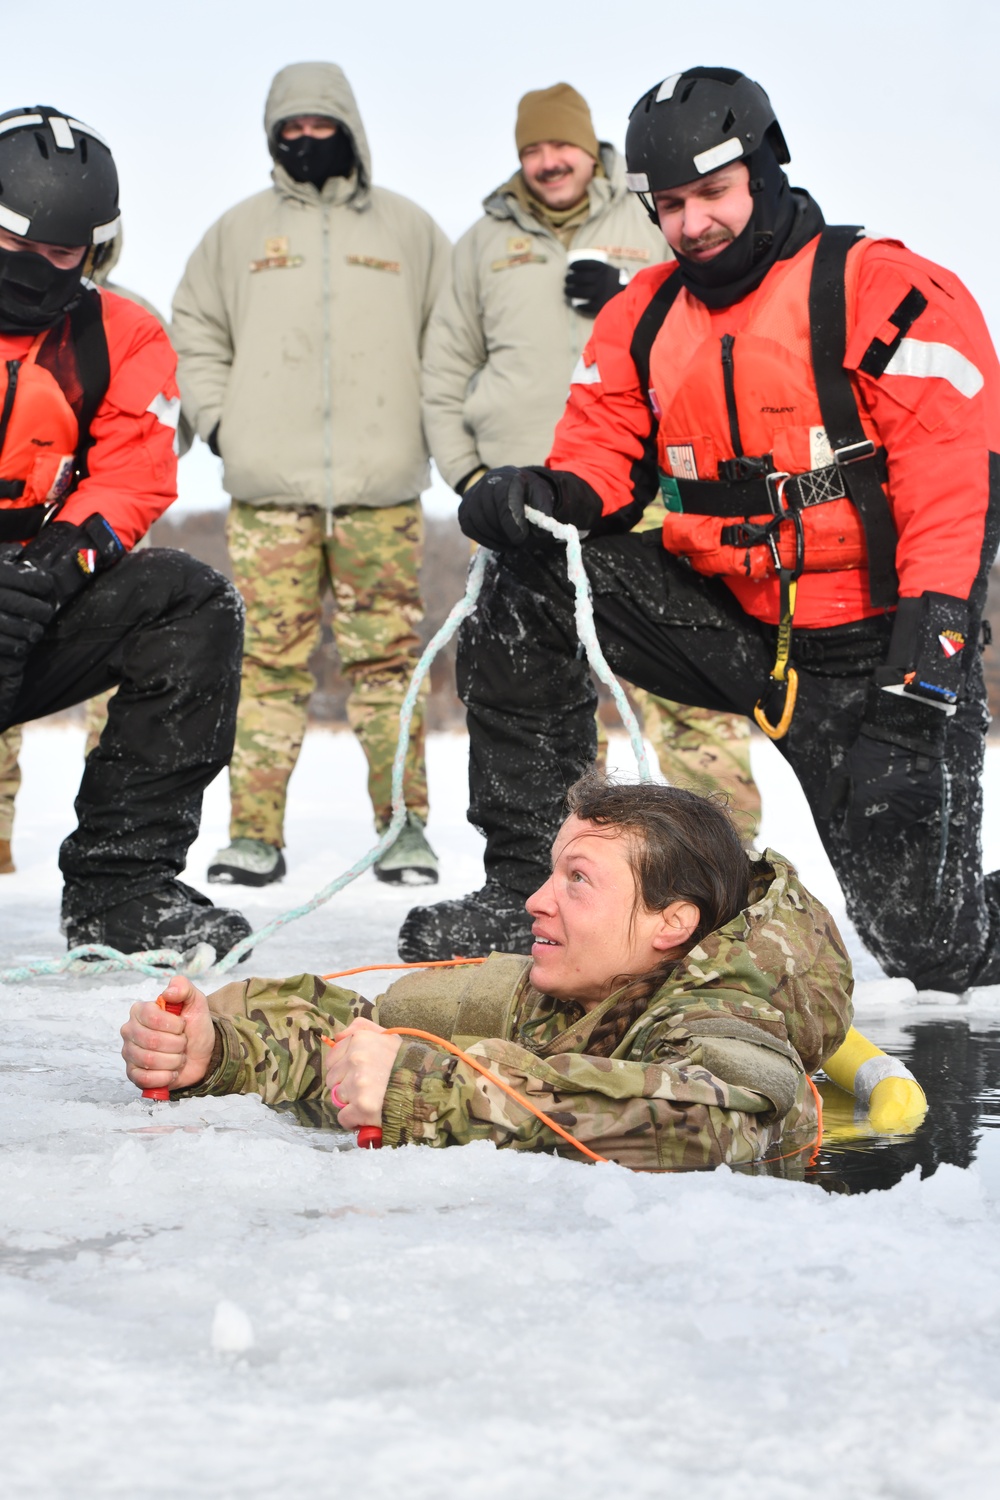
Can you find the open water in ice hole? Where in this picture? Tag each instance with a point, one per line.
(959, 1071)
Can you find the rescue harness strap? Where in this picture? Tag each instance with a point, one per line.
(839, 408)
(93, 369)
(90, 342)
(857, 473)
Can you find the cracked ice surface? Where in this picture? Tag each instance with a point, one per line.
(203, 1299)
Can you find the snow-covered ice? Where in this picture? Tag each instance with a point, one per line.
(204, 1299)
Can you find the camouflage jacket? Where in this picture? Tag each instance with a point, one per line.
(714, 1070)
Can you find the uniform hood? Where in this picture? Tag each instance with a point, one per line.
(317, 88)
(502, 202)
(780, 965)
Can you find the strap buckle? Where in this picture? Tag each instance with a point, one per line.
(776, 482)
(853, 453)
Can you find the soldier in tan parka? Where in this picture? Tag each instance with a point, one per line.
(556, 242)
(299, 325)
(677, 998)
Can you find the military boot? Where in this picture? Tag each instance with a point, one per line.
(247, 862)
(471, 927)
(410, 860)
(174, 916)
(6, 860)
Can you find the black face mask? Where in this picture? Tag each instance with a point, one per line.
(34, 294)
(783, 220)
(309, 159)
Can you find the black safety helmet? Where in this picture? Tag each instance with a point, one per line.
(58, 183)
(693, 123)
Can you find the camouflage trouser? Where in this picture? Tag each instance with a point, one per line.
(10, 777)
(705, 752)
(282, 559)
(10, 750)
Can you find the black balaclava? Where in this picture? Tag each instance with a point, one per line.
(308, 159)
(783, 220)
(34, 294)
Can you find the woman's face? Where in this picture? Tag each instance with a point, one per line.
(587, 933)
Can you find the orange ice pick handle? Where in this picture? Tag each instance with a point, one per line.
(175, 1007)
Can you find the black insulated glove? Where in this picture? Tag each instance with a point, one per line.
(491, 511)
(72, 556)
(27, 604)
(927, 655)
(894, 773)
(591, 283)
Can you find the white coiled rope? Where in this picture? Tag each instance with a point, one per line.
(97, 958)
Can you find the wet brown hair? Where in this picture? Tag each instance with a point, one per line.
(681, 847)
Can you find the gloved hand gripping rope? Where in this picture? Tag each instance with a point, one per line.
(105, 960)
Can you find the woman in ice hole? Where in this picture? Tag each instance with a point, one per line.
(677, 995)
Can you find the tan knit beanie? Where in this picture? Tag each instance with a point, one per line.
(555, 114)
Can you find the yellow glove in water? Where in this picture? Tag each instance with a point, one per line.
(895, 1101)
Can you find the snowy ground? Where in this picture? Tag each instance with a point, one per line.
(203, 1299)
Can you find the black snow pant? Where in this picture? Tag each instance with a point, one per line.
(917, 896)
(167, 632)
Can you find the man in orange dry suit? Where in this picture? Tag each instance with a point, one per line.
(820, 412)
(88, 414)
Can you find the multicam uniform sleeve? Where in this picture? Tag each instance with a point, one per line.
(268, 1036)
(672, 1114)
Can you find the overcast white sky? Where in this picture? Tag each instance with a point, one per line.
(889, 108)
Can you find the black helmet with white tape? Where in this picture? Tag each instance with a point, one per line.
(694, 123)
(58, 183)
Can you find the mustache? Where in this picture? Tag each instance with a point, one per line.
(552, 174)
(706, 241)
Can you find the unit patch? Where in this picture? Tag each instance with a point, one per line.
(374, 263)
(952, 642)
(276, 255)
(682, 462)
(519, 244)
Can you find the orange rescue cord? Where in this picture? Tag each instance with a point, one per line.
(370, 1136)
(438, 963)
(439, 1041)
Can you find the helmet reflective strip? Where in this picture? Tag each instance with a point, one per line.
(20, 122)
(104, 232)
(666, 89)
(16, 223)
(62, 133)
(717, 156)
(637, 182)
(86, 130)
